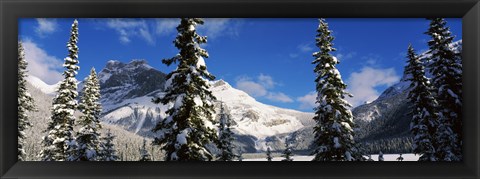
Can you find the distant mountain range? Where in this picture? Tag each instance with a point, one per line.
(127, 90)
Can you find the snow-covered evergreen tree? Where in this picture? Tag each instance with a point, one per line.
(269, 154)
(107, 148)
(25, 102)
(59, 144)
(225, 137)
(446, 68)
(380, 156)
(287, 153)
(183, 134)
(88, 138)
(334, 121)
(400, 158)
(144, 155)
(370, 158)
(240, 155)
(424, 121)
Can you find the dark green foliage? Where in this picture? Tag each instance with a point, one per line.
(269, 154)
(287, 153)
(334, 121)
(183, 133)
(225, 141)
(107, 148)
(144, 155)
(424, 121)
(387, 145)
(446, 68)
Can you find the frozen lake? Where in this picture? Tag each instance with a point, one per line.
(387, 157)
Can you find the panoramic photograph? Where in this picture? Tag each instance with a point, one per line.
(240, 89)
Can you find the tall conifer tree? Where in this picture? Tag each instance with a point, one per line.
(424, 121)
(59, 143)
(446, 68)
(183, 134)
(88, 138)
(269, 154)
(287, 153)
(108, 151)
(334, 121)
(144, 155)
(225, 137)
(25, 102)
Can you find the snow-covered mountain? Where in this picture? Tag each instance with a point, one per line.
(42, 86)
(388, 116)
(121, 81)
(127, 90)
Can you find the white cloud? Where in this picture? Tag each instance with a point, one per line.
(167, 26)
(217, 27)
(345, 56)
(305, 47)
(128, 28)
(301, 49)
(266, 81)
(308, 101)
(42, 65)
(252, 88)
(212, 28)
(45, 26)
(293, 55)
(279, 97)
(261, 88)
(362, 84)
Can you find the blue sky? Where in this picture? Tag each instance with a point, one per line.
(268, 58)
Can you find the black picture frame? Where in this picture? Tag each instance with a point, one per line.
(11, 11)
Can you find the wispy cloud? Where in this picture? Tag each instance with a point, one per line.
(217, 27)
(307, 101)
(45, 26)
(261, 87)
(362, 84)
(128, 28)
(41, 64)
(212, 27)
(251, 87)
(301, 49)
(293, 55)
(279, 97)
(307, 47)
(166, 26)
(371, 59)
(345, 56)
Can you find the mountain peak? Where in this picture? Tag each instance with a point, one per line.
(113, 64)
(220, 83)
(136, 63)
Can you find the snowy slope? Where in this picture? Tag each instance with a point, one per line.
(250, 118)
(255, 118)
(42, 86)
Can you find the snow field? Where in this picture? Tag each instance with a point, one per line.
(387, 157)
